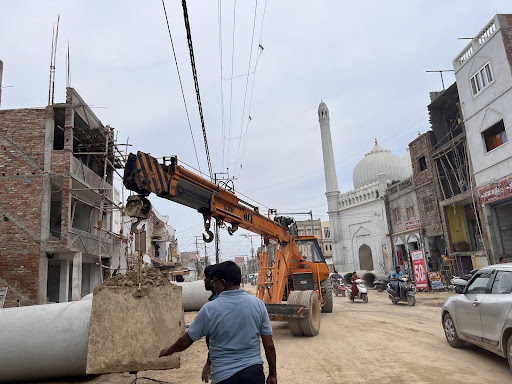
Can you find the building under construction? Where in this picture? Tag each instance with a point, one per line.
(57, 201)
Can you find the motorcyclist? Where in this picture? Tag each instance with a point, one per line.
(395, 275)
(353, 279)
(336, 275)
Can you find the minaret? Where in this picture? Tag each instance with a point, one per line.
(331, 186)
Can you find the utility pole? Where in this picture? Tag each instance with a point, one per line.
(441, 73)
(248, 236)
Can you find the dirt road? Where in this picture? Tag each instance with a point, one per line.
(359, 343)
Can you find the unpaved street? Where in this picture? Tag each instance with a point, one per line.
(360, 343)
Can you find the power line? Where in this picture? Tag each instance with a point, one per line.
(196, 84)
(247, 82)
(231, 92)
(339, 162)
(181, 85)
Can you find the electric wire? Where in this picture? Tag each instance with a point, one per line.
(231, 91)
(181, 85)
(247, 82)
(196, 84)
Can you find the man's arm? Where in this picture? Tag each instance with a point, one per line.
(180, 345)
(270, 353)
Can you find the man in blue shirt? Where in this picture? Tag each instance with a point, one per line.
(395, 275)
(235, 322)
(208, 285)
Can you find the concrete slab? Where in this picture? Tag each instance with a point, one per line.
(129, 328)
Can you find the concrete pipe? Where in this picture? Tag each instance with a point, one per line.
(194, 295)
(348, 275)
(371, 276)
(44, 341)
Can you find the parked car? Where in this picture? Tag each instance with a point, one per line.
(481, 311)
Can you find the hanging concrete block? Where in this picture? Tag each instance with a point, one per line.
(130, 327)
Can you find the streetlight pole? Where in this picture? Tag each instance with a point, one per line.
(248, 236)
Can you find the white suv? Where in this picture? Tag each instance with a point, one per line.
(481, 312)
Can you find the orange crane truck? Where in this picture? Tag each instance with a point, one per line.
(293, 278)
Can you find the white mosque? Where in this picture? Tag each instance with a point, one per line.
(358, 218)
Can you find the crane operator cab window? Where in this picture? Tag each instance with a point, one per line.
(311, 251)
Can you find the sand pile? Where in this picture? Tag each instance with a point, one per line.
(150, 277)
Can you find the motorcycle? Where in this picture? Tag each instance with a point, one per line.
(362, 291)
(407, 291)
(380, 285)
(339, 287)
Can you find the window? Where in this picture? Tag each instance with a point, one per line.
(428, 204)
(495, 136)
(410, 213)
(330, 247)
(422, 163)
(326, 247)
(396, 215)
(502, 283)
(327, 233)
(481, 79)
(479, 284)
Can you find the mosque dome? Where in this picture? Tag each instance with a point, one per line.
(407, 164)
(378, 160)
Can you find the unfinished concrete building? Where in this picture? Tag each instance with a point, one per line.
(460, 209)
(56, 201)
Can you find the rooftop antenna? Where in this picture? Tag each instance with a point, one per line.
(68, 69)
(55, 37)
(441, 73)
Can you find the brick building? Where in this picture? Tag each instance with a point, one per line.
(56, 199)
(425, 179)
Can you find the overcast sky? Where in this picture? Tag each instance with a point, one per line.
(366, 60)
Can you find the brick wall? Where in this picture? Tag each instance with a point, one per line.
(21, 139)
(426, 184)
(506, 33)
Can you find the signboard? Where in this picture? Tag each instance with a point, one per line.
(3, 293)
(239, 259)
(435, 280)
(496, 191)
(418, 265)
(412, 224)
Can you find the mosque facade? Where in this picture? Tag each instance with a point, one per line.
(359, 218)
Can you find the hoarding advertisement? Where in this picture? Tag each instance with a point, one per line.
(420, 272)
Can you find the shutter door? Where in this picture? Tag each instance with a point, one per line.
(504, 214)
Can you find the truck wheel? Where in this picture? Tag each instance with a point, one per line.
(451, 332)
(294, 324)
(328, 301)
(310, 324)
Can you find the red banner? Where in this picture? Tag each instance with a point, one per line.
(496, 191)
(420, 272)
(412, 224)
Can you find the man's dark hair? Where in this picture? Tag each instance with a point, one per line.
(208, 271)
(228, 271)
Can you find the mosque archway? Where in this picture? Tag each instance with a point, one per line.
(365, 258)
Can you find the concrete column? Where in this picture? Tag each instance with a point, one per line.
(76, 283)
(94, 277)
(42, 281)
(64, 281)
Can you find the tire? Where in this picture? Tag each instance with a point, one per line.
(294, 324)
(380, 289)
(411, 300)
(364, 296)
(328, 301)
(310, 324)
(394, 301)
(336, 293)
(509, 351)
(451, 332)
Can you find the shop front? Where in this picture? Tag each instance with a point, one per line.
(497, 201)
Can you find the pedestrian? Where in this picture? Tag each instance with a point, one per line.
(503, 260)
(208, 285)
(235, 322)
